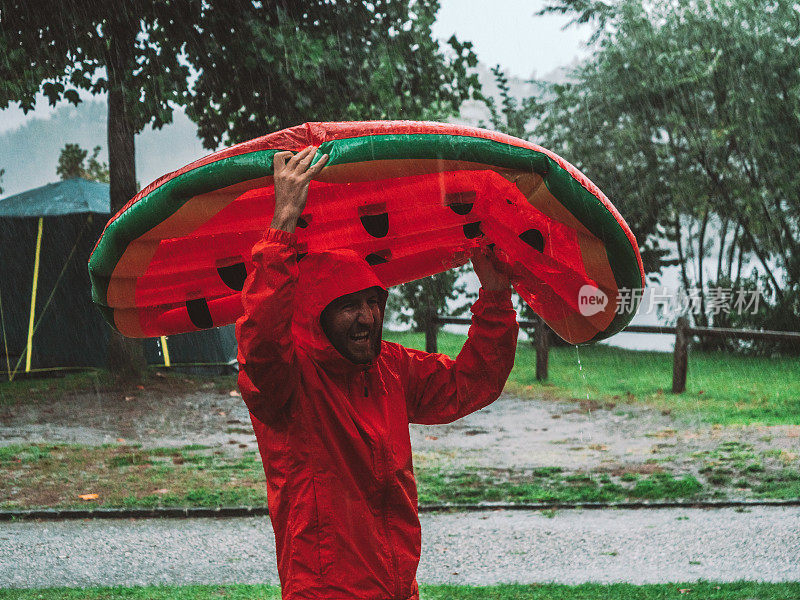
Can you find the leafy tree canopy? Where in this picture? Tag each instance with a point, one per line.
(72, 163)
(442, 294)
(688, 113)
(690, 106)
(59, 48)
(242, 67)
(265, 66)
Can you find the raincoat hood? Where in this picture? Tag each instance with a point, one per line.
(325, 276)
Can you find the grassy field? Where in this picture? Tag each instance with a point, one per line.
(702, 590)
(127, 476)
(23, 388)
(44, 387)
(721, 388)
(56, 475)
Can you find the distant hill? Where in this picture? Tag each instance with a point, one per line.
(474, 112)
(29, 154)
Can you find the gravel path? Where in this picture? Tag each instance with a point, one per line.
(642, 546)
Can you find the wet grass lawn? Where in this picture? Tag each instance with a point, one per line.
(120, 475)
(704, 590)
(44, 388)
(721, 388)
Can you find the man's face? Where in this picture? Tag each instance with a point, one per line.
(354, 323)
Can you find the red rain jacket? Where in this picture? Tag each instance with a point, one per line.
(333, 435)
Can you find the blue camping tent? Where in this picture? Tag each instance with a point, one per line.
(47, 319)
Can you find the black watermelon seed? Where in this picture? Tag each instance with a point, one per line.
(233, 276)
(199, 314)
(491, 246)
(376, 225)
(534, 238)
(378, 258)
(460, 202)
(472, 230)
(301, 256)
(303, 221)
(461, 208)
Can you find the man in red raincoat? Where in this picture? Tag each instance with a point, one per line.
(331, 404)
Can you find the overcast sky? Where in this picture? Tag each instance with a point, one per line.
(504, 32)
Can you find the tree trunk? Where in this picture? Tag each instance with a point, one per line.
(125, 355)
(431, 330)
(732, 251)
(722, 237)
(681, 257)
(744, 222)
(739, 266)
(701, 316)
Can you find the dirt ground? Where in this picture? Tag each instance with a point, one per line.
(513, 433)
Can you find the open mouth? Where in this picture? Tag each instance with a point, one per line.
(360, 337)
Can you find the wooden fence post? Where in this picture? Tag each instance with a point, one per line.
(680, 357)
(431, 330)
(541, 335)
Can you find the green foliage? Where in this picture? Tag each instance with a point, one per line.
(666, 486)
(689, 112)
(722, 387)
(129, 459)
(23, 453)
(438, 485)
(259, 65)
(321, 61)
(412, 302)
(513, 116)
(160, 592)
(586, 11)
(133, 51)
(72, 163)
(97, 46)
(691, 109)
(772, 312)
(449, 343)
(54, 475)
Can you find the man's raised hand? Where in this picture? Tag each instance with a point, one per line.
(491, 278)
(293, 174)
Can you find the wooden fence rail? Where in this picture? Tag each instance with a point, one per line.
(683, 333)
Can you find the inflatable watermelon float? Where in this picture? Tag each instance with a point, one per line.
(412, 198)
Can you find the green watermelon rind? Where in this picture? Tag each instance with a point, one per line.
(171, 195)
